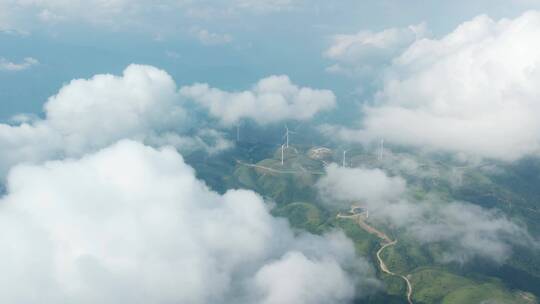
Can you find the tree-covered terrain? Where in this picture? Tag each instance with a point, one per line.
(290, 191)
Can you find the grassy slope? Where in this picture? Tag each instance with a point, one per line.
(301, 215)
(431, 285)
(436, 285)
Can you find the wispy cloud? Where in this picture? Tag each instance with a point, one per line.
(209, 38)
(7, 65)
(468, 230)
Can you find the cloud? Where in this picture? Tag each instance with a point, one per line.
(468, 230)
(359, 184)
(133, 224)
(473, 91)
(29, 14)
(209, 38)
(89, 114)
(291, 279)
(127, 14)
(271, 100)
(6, 65)
(173, 55)
(95, 112)
(210, 140)
(266, 5)
(366, 52)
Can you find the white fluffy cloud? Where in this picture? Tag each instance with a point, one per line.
(133, 224)
(272, 99)
(467, 229)
(474, 91)
(366, 51)
(291, 280)
(350, 184)
(94, 112)
(89, 114)
(6, 65)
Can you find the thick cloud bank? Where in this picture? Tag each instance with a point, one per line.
(469, 231)
(89, 114)
(272, 99)
(131, 224)
(474, 90)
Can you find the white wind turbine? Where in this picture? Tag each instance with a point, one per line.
(343, 161)
(286, 136)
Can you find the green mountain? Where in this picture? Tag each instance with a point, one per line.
(287, 177)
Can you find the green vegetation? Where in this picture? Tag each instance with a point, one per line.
(394, 285)
(482, 293)
(512, 189)
(365, 243)
(404, 257)
(302, 215)
(292, 181)
(431, 285)
(435, 285)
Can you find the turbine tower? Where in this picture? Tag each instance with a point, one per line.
(287, 136)
(343, 162)
(381, 150)
(282, 153)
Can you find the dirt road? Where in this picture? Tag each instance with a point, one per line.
(385, 269)
(386, 242)
(279, 171)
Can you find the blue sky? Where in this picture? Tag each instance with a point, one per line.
(264, 38)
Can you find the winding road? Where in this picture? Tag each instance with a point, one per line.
(279, 171)
(360, 220)
(385, 269)
(386, 242)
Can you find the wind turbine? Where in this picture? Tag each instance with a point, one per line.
(343, 162)
(286, 136)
